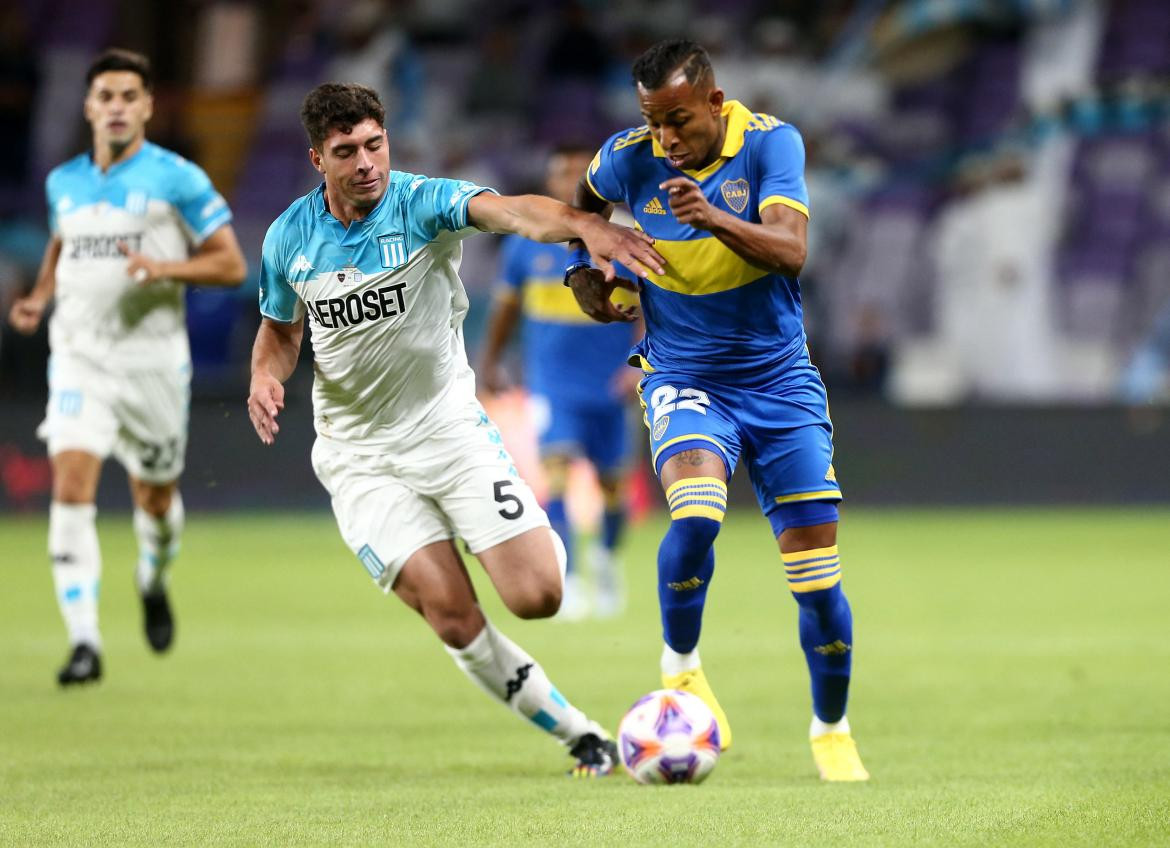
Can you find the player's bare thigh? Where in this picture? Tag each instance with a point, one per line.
(75, 476)
(810, 538)
(435, 584)
(526, 572)
(695, 462)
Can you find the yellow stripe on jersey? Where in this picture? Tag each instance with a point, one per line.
(547, 299)
(702, 266)
(786, 201)
(826, 495)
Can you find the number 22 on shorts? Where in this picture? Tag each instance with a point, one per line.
(667, 399)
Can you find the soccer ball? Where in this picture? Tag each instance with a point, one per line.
(669, 736)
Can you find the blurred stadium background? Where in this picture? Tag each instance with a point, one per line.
(988, 288)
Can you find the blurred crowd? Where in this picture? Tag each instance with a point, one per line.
(989, 179)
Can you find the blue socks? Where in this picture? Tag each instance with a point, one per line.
(686, 558)
(826, 626)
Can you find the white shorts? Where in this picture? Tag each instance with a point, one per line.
(457, 482)
(139, 417)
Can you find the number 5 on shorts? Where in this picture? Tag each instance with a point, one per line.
(510, 499)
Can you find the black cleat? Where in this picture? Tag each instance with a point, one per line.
(157, 621)
(596, 757)
(84, 666)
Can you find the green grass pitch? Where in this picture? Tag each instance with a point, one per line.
(1012, 687)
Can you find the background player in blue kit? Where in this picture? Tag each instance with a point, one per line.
(721, 189)
(578, 382)
(131, 223)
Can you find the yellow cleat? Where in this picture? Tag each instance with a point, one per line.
(695, 682)
(837, 759)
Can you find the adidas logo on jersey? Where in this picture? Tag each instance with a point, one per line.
(654, 207)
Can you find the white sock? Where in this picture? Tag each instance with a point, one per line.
(77, 569)
(820, 728)
(673, 662)
(502, 669)
(158, 544)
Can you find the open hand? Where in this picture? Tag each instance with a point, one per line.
(265, 401)
(608, 243)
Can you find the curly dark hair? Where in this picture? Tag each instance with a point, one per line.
(653, 68)
(117, 59)
(339, 106)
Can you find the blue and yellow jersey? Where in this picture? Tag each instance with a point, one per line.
(713, 313)
(568, 357)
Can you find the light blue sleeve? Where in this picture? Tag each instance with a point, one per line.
(781, 169)
(438, 204)
(51, 201)
(278, 301)
(602, 176)
(200, 205)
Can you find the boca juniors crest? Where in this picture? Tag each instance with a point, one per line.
(736, 193)
(392, 250)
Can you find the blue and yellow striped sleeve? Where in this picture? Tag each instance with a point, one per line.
(781, 161)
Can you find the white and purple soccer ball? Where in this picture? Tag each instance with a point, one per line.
(669, 736)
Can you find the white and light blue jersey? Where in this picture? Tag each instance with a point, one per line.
(158, 204)
(385, 306)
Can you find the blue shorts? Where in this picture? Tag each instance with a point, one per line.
(598, 433)
(781, 428)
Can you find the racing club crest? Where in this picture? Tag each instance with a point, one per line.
(736, 193)
(392, 250)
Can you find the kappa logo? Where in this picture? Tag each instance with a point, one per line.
(655, 207)
(301, 265)
(686, 585)
(831, 477)
(516, 684)
(736, 193)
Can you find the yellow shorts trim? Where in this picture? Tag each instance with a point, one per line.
(825, 495)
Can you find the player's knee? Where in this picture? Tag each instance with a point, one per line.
(540, 598)
(695, 533)
(154, 500)
(456, 625)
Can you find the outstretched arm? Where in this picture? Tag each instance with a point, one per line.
(27, 311)
(274, 357)
(217, 262)
(544, 219)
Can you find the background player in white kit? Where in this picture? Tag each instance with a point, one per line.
(406, 452)
(130, 222)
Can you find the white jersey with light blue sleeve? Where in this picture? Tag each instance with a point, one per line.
(156, 203)
(385, 305)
